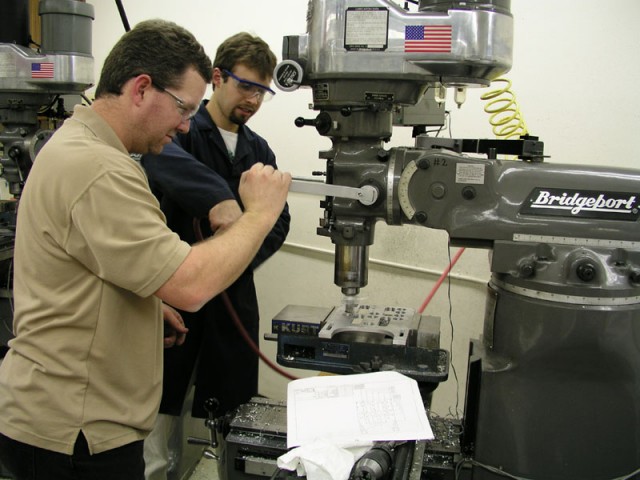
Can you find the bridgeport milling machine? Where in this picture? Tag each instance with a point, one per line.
(561, 337)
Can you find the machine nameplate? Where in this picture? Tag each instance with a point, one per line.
(582, 203)
(321, 91)
(380, 97)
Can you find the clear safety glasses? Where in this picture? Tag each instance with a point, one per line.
(251, 89)
(183, 109)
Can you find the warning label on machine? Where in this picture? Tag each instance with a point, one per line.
(366, 28)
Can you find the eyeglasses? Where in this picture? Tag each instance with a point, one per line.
(251, 89)
(185, 113)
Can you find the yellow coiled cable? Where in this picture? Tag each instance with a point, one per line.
(505, 116)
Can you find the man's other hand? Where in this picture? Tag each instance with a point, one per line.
(175, 332)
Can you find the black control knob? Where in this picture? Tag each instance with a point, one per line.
(305, 122)
(211, 405)
(322, 123)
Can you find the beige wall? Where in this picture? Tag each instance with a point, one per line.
(575, 74)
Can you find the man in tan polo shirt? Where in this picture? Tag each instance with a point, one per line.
(94, 262)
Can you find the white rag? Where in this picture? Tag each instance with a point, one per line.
(322, 460)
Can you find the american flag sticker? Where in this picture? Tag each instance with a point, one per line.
(42, 70)
(427, 38)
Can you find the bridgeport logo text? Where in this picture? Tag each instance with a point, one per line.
(577, 203)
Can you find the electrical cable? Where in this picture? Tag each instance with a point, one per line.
(456, 415)
(123, 16)
(238, 323)
(505, 116)
(443, 128)
(443, 276)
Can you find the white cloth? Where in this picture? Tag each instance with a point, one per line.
(322, 460)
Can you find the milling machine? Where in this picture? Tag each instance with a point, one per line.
(554, 382)
(39, 71)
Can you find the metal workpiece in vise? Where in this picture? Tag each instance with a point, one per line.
(214, 426)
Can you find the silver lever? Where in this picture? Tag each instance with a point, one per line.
(366, 195)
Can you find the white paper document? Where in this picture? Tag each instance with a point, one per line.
(348, 410)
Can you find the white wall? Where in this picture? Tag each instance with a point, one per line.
(575, 74)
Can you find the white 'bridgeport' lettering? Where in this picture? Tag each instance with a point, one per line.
(576, 203)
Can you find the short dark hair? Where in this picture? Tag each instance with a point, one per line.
(159, 48)
(248, 50)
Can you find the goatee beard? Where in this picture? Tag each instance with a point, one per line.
(237, 120)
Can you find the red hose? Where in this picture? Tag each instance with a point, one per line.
(238, 323)
(440, 280)
(249, 340)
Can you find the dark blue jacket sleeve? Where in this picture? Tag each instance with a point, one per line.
(280, 230)
(194, 186)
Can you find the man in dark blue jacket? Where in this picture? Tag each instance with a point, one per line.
(196, 180)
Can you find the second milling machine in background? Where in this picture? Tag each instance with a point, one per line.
(42, 75)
